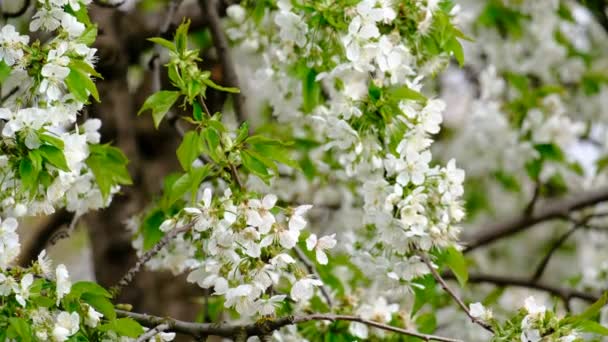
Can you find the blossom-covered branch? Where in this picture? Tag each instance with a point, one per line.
(265, 326)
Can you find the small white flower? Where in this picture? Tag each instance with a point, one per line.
(22, 291)
(45, 264)
(477, 310)
(67, 325)
(297, 221)
(241, 298)
(303, 289)
(163, 337)
(533, 308)
(236, 12)
(326, 242)
(201, 213)
(63, 282)
(259, 215)
(93, 317)
(72, 26)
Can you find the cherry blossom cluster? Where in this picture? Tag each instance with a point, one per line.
(373, 118)
(44, 163)
(242, 251)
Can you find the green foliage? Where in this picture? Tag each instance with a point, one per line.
(507, 21)
(124, 326)
(456, 262)
(160, 103)
(80, 84)
(109, 166)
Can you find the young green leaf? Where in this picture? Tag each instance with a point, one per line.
(190, 148)
(456, 262)
(160, 103)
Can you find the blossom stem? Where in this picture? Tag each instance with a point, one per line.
(265, 327)
(452, 294)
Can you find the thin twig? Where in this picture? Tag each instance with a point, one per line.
(540, 269)
(529, 210)
(233, 171)
(452, 294)
(555, 210)
(221, 45)
(64, 233)
(313, 270)
(9, 94)
(152, 332)
(563, 293)
(265, 327)
(128, 277)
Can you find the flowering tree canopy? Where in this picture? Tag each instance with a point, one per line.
(345, 170)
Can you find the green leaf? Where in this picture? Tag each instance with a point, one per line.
(54, 156)
(5, 71)
(456, 262)
(109, 166)
(123, 326)
(51, 140)
(212, 84)
(181, 37)
(89, 287)
(150, 228)
(89, 35)
(311, 91)
(212, 143)
(426, 323)
(254, 165)
(80, 85)
(406, 93)
(592, 327)
(455, 48)
(197, 111)
(28, 173)
(84, 67)
(550, 152)
(189, 150)
(163, 42)
(188, 182)
(160, 103)
(242, 134)
(593, 309)
(179, 188)
(21, 329)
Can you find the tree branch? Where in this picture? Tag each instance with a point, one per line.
(21, 11)
(452, 294)
(264, 327)
(313, 270)
(223, 52)
(563, 293)
(104, 4)
(557, 209)
(128, 277)
(152, 332)
(43, 236)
